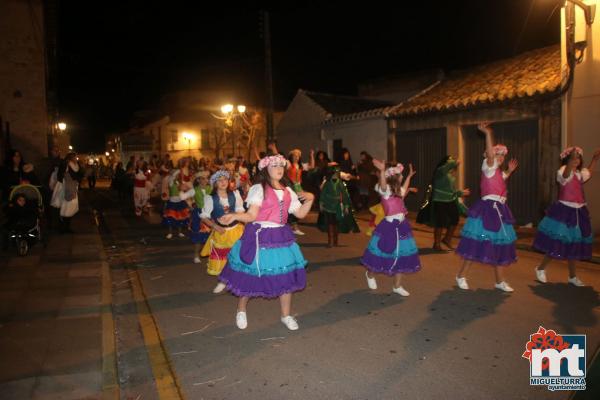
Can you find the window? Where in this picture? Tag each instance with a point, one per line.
(173, 135)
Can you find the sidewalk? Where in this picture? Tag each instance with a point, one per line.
(53, 326)
(525, 236)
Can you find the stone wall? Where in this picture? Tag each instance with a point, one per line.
(22, 76)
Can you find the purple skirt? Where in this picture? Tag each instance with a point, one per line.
(274, 267)
(392, 249)
(565, 233)
(488, 236)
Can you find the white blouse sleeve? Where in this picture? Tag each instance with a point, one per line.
(239, 203)
(487, 170)
(560, 178)
(188, 194)
(585, 174)
(385, 194)
(208, 207)
(295, 203)
(255, 195)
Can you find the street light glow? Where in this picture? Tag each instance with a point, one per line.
(70, 147)
(107, 154)
(241, 108)
(227, 108)
(188, 136)
(62, 126)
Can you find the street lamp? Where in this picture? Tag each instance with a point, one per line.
(231, 113)
(62, 126)
(107, 154)
(70, 147)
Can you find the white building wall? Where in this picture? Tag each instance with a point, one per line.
(300, 126)
(368, 135)
(581, 105)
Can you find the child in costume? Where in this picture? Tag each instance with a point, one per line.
(378, 213)
(141, 191)
(221, 202)
(177, 212)
(444, 206)
(199, 231)
(266, 261)
(294, 173)
(336, 207)
(488, 236)
(392, 249)
(565, 233)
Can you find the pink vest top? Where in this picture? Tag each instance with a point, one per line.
(494, 185)
(271, 210)
(572, 191)
(393, 205)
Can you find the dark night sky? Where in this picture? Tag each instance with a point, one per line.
(120, 57)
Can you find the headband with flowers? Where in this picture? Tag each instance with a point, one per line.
(272, 161)
(499, 150)
(397, 170)
(567, 152)
(218, 175)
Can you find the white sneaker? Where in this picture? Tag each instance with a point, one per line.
(219, 288)
(540, 274)
(290, 322)
(181, 235)
(576, 281)
(371, 282)
(298, 232)
(169, 236)
(504, 287)
(197, 260)
(240, 320)
(462, 283)
(401, 291)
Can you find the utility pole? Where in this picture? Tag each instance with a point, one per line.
(266, 33)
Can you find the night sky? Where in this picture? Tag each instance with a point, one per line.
(119, 57)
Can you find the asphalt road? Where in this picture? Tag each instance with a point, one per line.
(353, 343)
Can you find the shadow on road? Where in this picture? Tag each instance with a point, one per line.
(573, 306)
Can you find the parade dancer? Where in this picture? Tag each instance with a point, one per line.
(222, 201)
(199, 231)
(443, 206)
(266, 261)
(140, 188)
(336, 213)
(565, 233)
(177, 212)
(392, 249)
(488, 236)
(294, 173)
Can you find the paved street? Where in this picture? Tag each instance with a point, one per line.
(174, 338)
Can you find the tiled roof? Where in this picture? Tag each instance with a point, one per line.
(527, 75)
(339, 105)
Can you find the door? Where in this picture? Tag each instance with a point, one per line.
(337, 149)
(521, 138)
(424, 149)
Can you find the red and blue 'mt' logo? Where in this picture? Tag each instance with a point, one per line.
(559, 358)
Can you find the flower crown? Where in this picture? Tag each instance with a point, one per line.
(272, 161)
(397, 170)
(499, 150)
(567, 152)
(218, 175)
